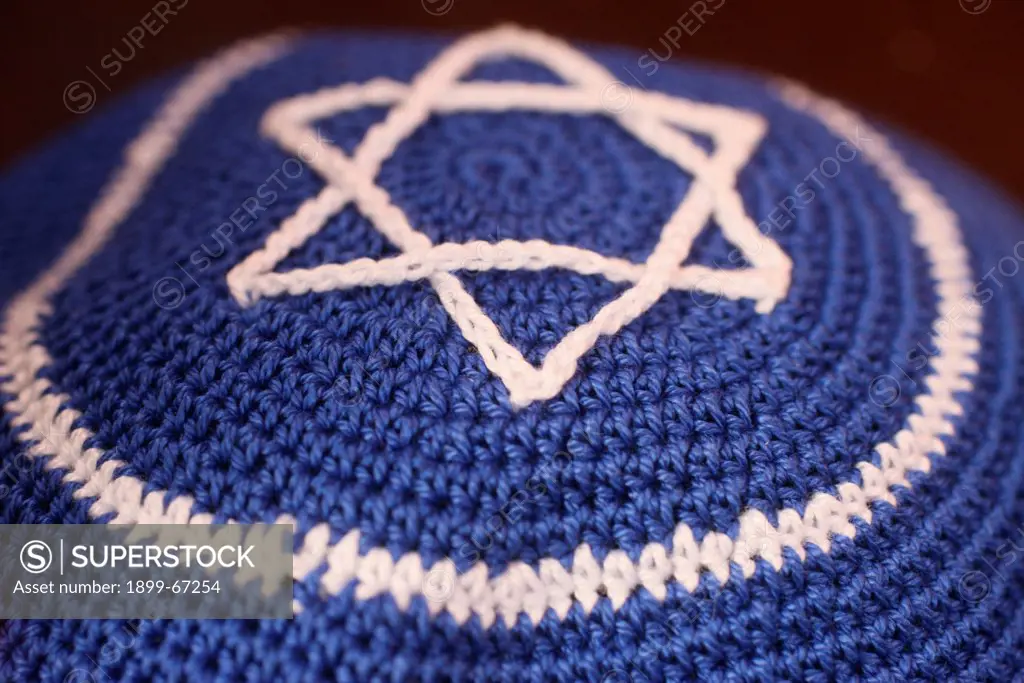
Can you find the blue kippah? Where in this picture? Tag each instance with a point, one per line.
(560, 372)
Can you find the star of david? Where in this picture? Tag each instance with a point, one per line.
(660, 121)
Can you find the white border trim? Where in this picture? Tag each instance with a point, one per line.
(654, 119)
(519, 590)
(22, 356)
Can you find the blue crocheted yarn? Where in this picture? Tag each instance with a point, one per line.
(368, 409)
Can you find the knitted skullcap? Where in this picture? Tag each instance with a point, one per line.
(564, 366)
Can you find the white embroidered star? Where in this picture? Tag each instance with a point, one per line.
(653, 118)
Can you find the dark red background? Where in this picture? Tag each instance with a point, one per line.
(953, 77)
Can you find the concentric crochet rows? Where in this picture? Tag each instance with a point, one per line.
(652, 120)
(243, 410)
(520, 588)
(888, 604)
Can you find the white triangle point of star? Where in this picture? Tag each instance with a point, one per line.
(656, 119)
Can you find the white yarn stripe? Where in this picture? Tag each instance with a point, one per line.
(521, 589)
(653, 119)
(47, 420)
(481, 256)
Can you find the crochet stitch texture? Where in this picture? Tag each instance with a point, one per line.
(824, 488)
